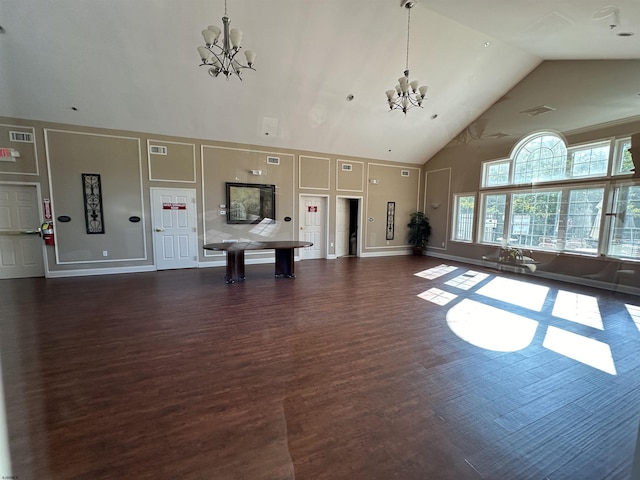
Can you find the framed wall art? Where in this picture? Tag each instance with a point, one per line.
(391, 220)
(92, 190)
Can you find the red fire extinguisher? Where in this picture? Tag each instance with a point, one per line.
(47, 233)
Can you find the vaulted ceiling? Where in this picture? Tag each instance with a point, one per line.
(133, 65)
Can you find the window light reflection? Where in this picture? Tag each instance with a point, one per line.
(467, 280)
(634, 312)
(489, 327)
(436, 272)
(437, 296)
(585, 350)
(578, 308)
(522, 294)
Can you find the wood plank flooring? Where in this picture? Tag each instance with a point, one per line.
(343, 373)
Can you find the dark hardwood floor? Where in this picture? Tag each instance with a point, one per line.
(343, 373)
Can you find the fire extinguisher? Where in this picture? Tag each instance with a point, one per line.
(47, 233)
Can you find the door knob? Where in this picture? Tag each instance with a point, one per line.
(159, 229)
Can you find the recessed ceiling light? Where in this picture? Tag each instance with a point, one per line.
(625, 34)
(2, 30)
(486, 44)
(75, 109)
(349, 97)
(434, 116)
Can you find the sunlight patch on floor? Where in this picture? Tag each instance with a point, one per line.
(522, 294)
(436, 272)
(634, 311)
(489, 327)
(467, 280)
(585, 350)
(578, 308)
(437, 296)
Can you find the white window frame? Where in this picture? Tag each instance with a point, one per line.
(456, 205)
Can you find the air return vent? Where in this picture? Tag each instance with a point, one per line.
(23, 137)
(158, 149)
(539, 110)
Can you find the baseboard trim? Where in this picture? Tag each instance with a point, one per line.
(85, 272)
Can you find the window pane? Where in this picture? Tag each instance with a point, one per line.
(624, 239)
(463, 221)
(493, 224)
(623, 163)
(583, 220)
(534, 218)
(544, 158)
(496, 173)
(591, 161)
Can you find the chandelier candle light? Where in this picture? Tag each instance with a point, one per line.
(220, 58)
(406, 94)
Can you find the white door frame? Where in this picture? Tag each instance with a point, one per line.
(325, 222)
(156, 246)
(45, 257)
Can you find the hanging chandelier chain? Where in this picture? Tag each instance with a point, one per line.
(408, 31)
(225, 8)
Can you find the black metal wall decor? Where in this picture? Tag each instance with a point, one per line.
(391, 219)
(92, 190)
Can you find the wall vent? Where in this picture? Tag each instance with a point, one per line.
(539, 110)
(347, 167)
(404, 173)
(273, 160)
(158, 149)
(23, 137)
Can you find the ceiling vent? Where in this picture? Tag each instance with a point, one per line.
(539, 110)
(23, 137)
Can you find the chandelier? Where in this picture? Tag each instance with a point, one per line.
(220, 57)
(407, 94)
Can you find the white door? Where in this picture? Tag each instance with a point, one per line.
(175, 236)
(313, 216)
(342, 227)
(20, 245)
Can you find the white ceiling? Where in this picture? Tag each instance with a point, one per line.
(133, 65)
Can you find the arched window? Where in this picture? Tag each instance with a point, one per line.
(540, 158)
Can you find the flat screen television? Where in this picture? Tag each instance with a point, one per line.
(250, 203)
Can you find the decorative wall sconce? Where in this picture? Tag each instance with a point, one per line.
(435, 206)
(374, 181)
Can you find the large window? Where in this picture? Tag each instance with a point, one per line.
(544, 157)
(541, 158)
(493, 225)
(554, 198)
(623, 162)
(496, 173)
(464, 210)
(624, 234)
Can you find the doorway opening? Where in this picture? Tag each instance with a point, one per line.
(348, 226)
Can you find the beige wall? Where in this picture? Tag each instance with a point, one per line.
(62, 153)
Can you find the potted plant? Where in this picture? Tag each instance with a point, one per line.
(419, 232)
